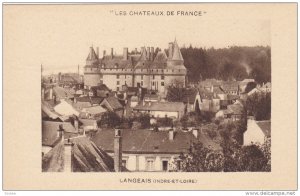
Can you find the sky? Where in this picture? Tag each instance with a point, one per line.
(59, 37)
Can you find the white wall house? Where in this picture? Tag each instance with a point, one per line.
(257, 131)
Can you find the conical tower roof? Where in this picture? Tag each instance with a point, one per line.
(92, 55)
(176, 52)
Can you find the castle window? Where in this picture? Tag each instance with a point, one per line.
(172, 70)
(118, 82)
(125, 76)
(157, 70)
(142, 83)
(153, 83)
(153, 76)
(118, 76)
(142, 77)
(162, 77)
(141, 69)
(91, 69)
(162, 84)
(118, 88)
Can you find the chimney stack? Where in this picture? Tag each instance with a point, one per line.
(98, 52)
(112, 53)
(68, 156)
(135, 51)
(152, 54)
(195, 133)
(76, 125)
(170, 50)
(51, 93)
(125, 53)
(148, 53)
(60, 132)
(104, 53)
(171, 134)
(117, 150)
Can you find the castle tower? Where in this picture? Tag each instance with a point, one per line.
(92, 58)
(175, 57)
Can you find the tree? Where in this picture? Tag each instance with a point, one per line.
(175, 93)
(110, 120)
(201, 159)
(259, 105)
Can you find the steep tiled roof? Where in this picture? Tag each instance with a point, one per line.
(62, 93)
(161, 106)
(265, 127)
(235, 109)
(190, 95)
(176, 52)
(114, 103)
(116, 62)
(94, 110)
(49, 131)
(145, 141)
(87, 157)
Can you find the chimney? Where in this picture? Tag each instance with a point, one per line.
(148, 53)
(195, 133)
(170, 50)
(117, 150)
(112, 53)
(135, 51)
(142, 49)
(104, 53)
(68, 156)
(60, 132)
(171, 134)
(125, 53)
(51, 93)
(76, 124)
(98, 52)
(152, 54)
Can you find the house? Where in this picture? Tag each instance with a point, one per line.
(257, 131)
(146, 150)
(79, 154)
(99, 91)
(233, 112)
(151, 97)
(92, 112)
(50, 131)
(49, 113)
(161, 109)
(112, 104)
(61, 93)
(207, 101)
(231, 87)
(66, 108)
(189, 98)
(266, 87)
(134, 100)
(254, 91)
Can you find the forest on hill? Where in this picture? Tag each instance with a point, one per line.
(233, 63)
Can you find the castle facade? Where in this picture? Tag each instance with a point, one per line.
(154, 70)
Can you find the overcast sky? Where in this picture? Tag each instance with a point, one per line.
(59, 38)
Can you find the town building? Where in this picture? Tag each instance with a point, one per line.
(257, 131)
(148, 150)
(147, 69)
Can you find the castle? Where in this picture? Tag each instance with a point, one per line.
(149, 69)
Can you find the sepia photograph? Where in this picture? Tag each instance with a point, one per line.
(168, 105)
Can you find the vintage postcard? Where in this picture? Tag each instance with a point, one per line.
(150, 96)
